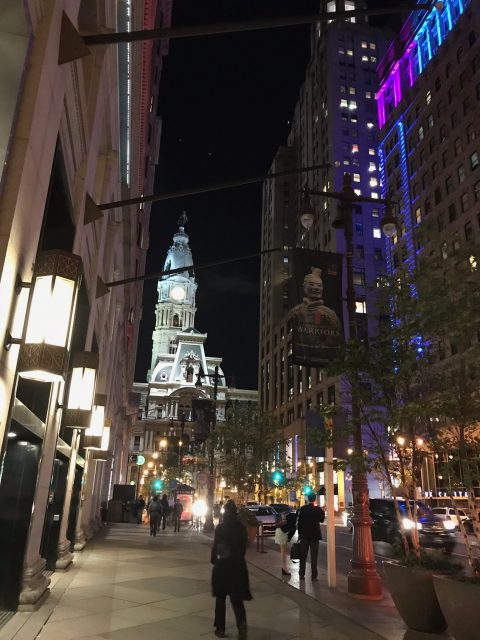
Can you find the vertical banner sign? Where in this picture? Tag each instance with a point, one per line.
(316, 316)
(202, 418)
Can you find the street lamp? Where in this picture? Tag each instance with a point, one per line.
(78, 411)
(363, 579)
(208, 525)
(45, 344)
(92, 437)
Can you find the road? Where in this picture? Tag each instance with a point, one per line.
(343, 539)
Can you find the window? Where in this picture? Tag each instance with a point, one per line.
(445, 159)
(371, 151)
(373, 182)
(441, 222)
(438, 84)
(428, 97)
(444, 250)
(373, 58)
(360, 251)
(377, 232)
(374, 194)
(372, 166)
(373, 46)
(434, 170)
(476, 191)
(454, 120)
(467, 105)
(354, 148)
(474, 160)
(356, 177)
(421, 134)
(359, 229)
(370, 125)
(377, 254)
(360, 306)
(352, 105)
(364, 58)
(368, 95)
(452, 212)
(461, 174)
(464, 202)
(457, 145)
(430, 121)
(468, 230)
(418, 215)
(375, 212)
(343, 103)
(352, 91)
(438, 195)
(470, 133)
(359, 277)
(443, 133)
(449, 185)
(349, 52)
(343, 88)
(363, 44)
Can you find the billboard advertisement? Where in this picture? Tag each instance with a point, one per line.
(316, 316)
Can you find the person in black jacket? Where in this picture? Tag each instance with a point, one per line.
(309, 534)
(230, 574)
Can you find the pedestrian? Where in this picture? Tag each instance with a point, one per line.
(141, 508)
(165, 510)
(309, 534)
(286, 527)
(230, 574)
(154, 511)
(177, 515)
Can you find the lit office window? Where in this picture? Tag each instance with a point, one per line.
(374, 194)
(428, 97)
(372, 167)
(350, 6)
(349, 52)
(354, 148)
(364, 58)
(371, 151)
(373, 182)
(370, 125)
(361, 306)
(352, 105)
(352, 91)
(377, 233)
(373, 58)
(343, 103)
(368, 95)
(356, 177)
(363, 44)
(358, 192)
(373, 46)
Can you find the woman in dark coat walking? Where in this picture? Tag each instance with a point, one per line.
(230, 574)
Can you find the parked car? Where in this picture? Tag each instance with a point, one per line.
(266, 515)
(448, 513)
(282, 508)
(432, 531)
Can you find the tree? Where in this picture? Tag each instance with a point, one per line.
(249, 446)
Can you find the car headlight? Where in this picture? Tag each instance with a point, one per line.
(410, 524)
(448, 525)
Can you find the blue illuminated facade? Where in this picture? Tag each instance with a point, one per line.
(411, 109)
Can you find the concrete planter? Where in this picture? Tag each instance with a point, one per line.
(460, 606)
(414, 596)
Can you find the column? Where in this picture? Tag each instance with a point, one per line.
(34, 583)
(65, 556)
(82, 532)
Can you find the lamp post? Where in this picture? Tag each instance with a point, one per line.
(209, 526)
(363, 579)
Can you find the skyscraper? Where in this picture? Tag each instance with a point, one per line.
(334, 123)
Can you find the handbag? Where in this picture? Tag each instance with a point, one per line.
(295, 551)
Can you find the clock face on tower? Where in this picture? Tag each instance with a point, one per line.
(177, 293)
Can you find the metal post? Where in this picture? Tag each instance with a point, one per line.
(330, 505)
(209, 525)
(363, 579)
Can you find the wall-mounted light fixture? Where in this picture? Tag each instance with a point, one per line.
(78, 410)
(102, 454)
(51, 308)
(92, 437)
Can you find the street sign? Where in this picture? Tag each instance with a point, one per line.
(132, 457)
(140, 460)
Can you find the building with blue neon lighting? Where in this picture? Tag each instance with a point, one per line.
(429, 117)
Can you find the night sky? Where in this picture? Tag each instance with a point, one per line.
(226, 102)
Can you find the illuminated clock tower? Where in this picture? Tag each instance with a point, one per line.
(175, 310)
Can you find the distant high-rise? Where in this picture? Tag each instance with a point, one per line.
(335, 122)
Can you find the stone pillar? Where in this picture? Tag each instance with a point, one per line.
(95, 519)
(82, 532)
(34, 583)
(65, 556)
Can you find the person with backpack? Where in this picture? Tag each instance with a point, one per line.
(154, 512)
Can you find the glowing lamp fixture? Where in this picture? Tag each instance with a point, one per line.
(93, 435)
(389, 223)
(307, 212)
(51, 310)
(78, 413)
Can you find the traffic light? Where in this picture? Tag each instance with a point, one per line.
(278, 477)
(157, 485)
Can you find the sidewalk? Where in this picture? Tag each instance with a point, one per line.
(379, 617)
(127, 585)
